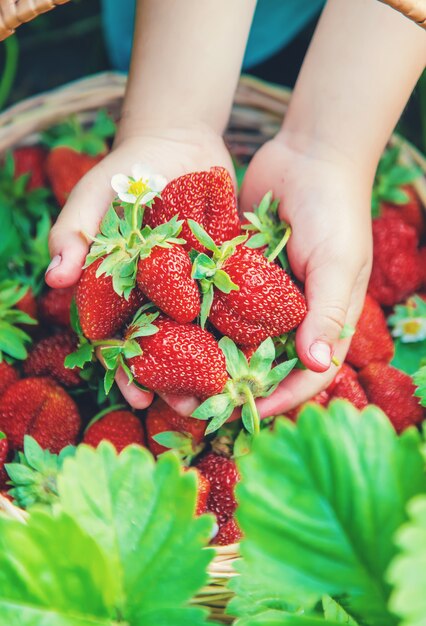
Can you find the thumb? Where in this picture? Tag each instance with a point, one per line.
(328, 292)
(81, 216)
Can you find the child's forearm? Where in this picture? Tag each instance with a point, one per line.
(361, 67)
(186, 62)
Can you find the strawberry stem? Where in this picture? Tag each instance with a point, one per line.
(271, 257)
(253, 409)
(107, 342)
(135, 227)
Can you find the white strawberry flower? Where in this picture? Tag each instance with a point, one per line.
(410, 329)
(141, 184)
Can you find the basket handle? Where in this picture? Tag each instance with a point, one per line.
(13, 13)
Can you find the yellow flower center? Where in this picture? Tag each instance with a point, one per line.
(138, 187)
(412, 327)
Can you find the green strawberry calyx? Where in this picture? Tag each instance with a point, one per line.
(113, 352)
(392, 174)
(248, 381)
(180, 443)
(267, 230)
(72, 134)
(208, 270)
(33, 475)
(123, 241)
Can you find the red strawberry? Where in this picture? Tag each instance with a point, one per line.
(181, 359)
(396, 272)
(121, 428)
(8, 376)
(27, 304)
(203, 491)
(392, 391)
(371, 340)
(346, 386)
(267, 303)
(411, 212)
(65, 167)
(4, 453)
(229, 533)
(47, 359)
(206, 197)
(40, 408)
(165, 278)
(223, 475)
(30, 160)
(54, 306)
(161, 418)
(101, 310)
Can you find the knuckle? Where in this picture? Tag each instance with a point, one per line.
(335, 316)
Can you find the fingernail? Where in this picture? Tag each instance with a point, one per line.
(54, 263)
(321, 353)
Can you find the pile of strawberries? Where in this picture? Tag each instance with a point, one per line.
(187, 300)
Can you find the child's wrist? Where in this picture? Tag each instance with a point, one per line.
(182, 131)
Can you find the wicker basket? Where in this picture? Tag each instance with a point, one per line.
(13, 13)
(256, 117)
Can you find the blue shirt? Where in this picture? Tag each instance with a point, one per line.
(275, 24)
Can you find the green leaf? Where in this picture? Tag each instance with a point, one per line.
(320, 502)
(236, 362)
(206, 304)
(419, 380)
(407, 571)
(203, 266)
(41, 582)
(277, 618)
(141, 514)
(12, 341)
(171, 439)
(202, 236)
(261, 361)
(80, 357)
(213, 406)
(333, 611)
(347, 331)
(408, 356)
(280, 372)
(222, 282)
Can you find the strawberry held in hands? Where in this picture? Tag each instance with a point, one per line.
(178, 359)
(102, 312)
(245, 296)
(154, 259)
(206, 197)
(40, 408)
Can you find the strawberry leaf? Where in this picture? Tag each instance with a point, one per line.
(81, 356)
(419, 380)
(406, 571)
(316, 517)
(141, 515)
(42, 582)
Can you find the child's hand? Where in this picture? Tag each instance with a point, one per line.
(173, 153)
(327, 205)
